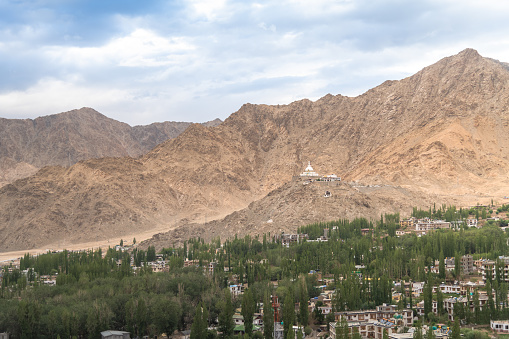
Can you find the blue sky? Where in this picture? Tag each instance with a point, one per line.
(145, 61)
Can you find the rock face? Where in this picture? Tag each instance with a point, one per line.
(66, 138)
(296, 204)
(438, 134)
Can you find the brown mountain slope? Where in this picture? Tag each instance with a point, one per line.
(294, 205)
(66, 138)
(398, 132)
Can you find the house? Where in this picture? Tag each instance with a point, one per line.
(369, 329)
(471, 223)
(467, 264)
(500, 326)
(183, 335)
(287, 239)
(115, 334)
(4, 335)
(238, 319)
(427, 224)
(236, 290)
(402, 318)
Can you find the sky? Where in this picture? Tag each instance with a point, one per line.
(196, 60)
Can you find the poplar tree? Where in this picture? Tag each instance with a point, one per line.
(303, 306)
(197, 329)
(248, 310)
(456, 329)
(428, 298)
(288, 312)
(441, 266)
(226, 324)
(268, 318)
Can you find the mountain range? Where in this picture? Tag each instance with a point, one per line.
(436, 136)
(26, 145)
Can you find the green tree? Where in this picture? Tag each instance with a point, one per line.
(268, 318)
(329, 318)
(199, 327)
(226, 324)
(288, 312)
(151, 253)
(428, 297)
(28, 318)
(248, 310)
(441, 266)
(166, 314)
(457, 266)
(440, 301)
(456, 329)
(303, 299)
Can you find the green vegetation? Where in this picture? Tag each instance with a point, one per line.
(97, 291)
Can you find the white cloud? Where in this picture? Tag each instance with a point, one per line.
(210, 9)
(141, 48)
(51, 96)
(199, 59)
(266, 27)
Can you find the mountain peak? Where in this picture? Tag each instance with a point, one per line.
(469, 53)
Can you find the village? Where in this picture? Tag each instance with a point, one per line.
(397, 319)
(445, 291)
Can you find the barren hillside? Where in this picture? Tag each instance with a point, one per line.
(66, 138)
(438, 134)
(296, 204)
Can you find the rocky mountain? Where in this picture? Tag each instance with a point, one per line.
(435, 136)
(63, 139)
(298, 203)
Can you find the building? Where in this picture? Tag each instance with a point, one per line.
(489, 268)
(403, 317)
(211, 268)
(427, 224)
(472, 223)
(467, 304)
(467, 264)
(309, 172)
(287, 239)
(236, 290)
(368, 329)
(410, 222)
(115, 335)
(500, 326)
(448, 288)
(4, 335)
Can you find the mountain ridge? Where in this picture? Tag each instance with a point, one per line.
(445, 122)
(66, 138)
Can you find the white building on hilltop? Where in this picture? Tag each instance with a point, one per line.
(309, 171)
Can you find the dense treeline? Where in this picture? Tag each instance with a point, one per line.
(96, 291)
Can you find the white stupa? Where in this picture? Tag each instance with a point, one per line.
(309, 171)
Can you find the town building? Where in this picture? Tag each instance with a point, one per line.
(427, 224)
(236, 290)
(402, 318)
(115, 335)
(287, 239)
(410, 222)
(500, 326)
(489, 268)
(467, 264)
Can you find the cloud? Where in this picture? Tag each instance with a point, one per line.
(141, 48)
(199, 59)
